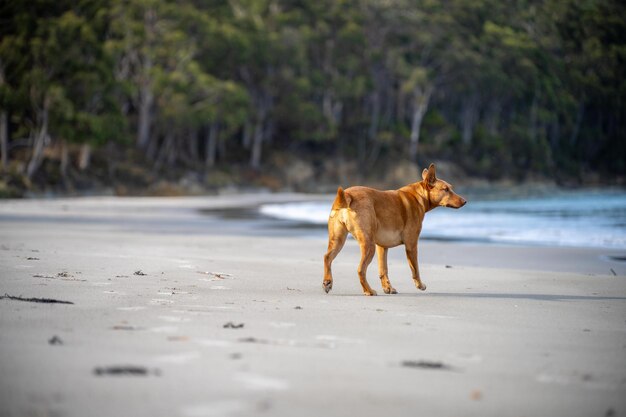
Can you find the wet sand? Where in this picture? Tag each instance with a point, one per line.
(179, 313)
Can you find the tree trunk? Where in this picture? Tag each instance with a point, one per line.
(4, 139)
(416, 124)
(327, 106)
(421, 100)
(65, 160)
(532, 130)
(257, 145)
(268, 134)
(163, 154)
(332, 111)
(146, 101)
(469, 116)
(153, 149)
(374, 119)
(172, 152)
(555, 134)
(579, 118)
(221, 147)
(192, 146)
(41, 139)
(261, 128)
(4, 128)
(146, 96)
(246, 135)
(372, 131)
(493, 117)
(84, 156)
(211, 144)
(337, 111)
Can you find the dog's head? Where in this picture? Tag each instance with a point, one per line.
(440, 192)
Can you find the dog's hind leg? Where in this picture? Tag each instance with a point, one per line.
(383, 271)
(337, 234)
(367, 254)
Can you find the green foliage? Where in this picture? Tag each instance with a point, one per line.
(54, 61)
(516, 87)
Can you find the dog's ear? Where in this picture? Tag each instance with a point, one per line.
(428, 175)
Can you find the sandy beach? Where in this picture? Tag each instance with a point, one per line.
(193, 307)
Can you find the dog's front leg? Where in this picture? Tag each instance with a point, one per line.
(411, 256)
(383, 271)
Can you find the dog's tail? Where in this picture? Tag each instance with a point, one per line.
(342, 200)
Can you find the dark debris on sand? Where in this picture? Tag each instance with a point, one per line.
(425, 365)
(125, 370)
(231, 325)
(125, 327)
(55, 340)
(34, 300)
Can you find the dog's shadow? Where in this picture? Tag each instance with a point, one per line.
(501, 296)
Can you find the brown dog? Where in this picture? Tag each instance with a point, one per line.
(380, 220)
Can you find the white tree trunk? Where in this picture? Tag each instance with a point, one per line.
(211, 145)
(532, 130)
(146, 101)
(146, 96)
(41, 139)
(421, 100)
(469, 116)
(84, 156)
(65, 160)
(257, 145)
(246, 136)
(261, 129)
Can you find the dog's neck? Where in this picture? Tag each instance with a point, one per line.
(421, 192)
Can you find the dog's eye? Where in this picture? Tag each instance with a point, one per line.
(446, 189)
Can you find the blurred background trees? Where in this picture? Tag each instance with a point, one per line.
(502, 90)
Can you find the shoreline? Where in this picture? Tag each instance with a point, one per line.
(499, 331)
(238, 215)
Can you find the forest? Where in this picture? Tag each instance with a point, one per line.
(127, 93)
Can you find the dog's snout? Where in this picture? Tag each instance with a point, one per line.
(460, 202)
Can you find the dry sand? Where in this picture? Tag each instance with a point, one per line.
(501, 331)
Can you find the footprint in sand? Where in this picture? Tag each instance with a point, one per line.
(178, 358)
(223, 408)
(131, 308)
(175, 319)
(261, 383)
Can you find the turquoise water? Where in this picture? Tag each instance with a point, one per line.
(580, 218)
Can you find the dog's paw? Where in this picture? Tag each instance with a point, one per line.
(328, 285)
(390, 290)
(369, 293)
(422, 286)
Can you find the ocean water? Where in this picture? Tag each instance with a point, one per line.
(578, 218)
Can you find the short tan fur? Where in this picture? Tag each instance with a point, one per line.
(380, 220)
